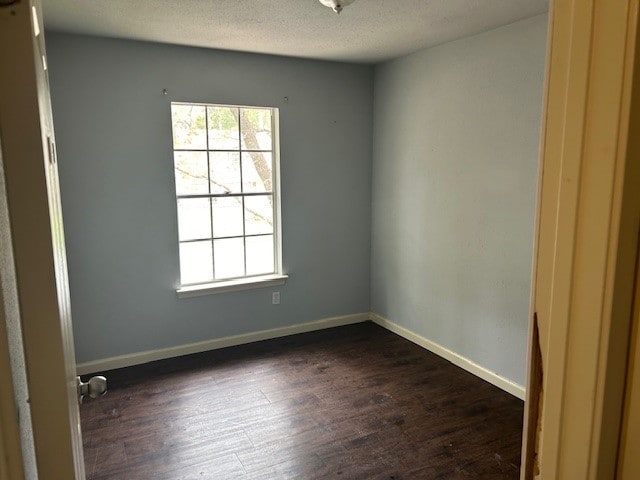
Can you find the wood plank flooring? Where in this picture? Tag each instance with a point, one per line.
(352, 403)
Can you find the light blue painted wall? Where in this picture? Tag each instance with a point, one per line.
(456, 133)
(114, 145)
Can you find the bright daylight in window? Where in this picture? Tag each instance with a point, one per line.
(226, 185)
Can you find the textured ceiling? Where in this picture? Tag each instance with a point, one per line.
(368, 31)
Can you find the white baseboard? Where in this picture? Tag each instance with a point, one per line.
(462, 362)
(216, 343)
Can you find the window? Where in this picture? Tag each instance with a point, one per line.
(226, 173)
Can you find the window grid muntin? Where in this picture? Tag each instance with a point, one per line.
(213, 251)
(214, 150)
(206, 239)
(275, 232)
(218, 195)
(244, 220)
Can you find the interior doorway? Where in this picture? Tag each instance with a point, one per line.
(38, 240)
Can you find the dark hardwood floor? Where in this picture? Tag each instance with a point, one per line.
(355, 402)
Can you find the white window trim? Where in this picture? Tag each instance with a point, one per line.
(249, 282)
(237, 285)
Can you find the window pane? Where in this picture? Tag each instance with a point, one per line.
(196, 263)
(256, 128)
(225, 172)
(191, 173)
(189, 126)
(227, 216)
(223, 128)
(256, 172)
(258, 215)
(194, 218)
(229, 257)
(260, 255)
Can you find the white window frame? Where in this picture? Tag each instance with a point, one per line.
(245, 282)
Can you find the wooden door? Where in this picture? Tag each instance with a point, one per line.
(28, 152)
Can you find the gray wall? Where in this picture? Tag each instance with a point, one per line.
(454, 178)
(114, 145)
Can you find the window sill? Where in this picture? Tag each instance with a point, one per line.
(231, 286)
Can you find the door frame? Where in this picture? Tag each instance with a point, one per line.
(30, 171)
(628, 460)
(586, 242)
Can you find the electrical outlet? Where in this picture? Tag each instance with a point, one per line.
(275, 298)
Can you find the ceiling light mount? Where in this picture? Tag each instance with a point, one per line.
(336, 5)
